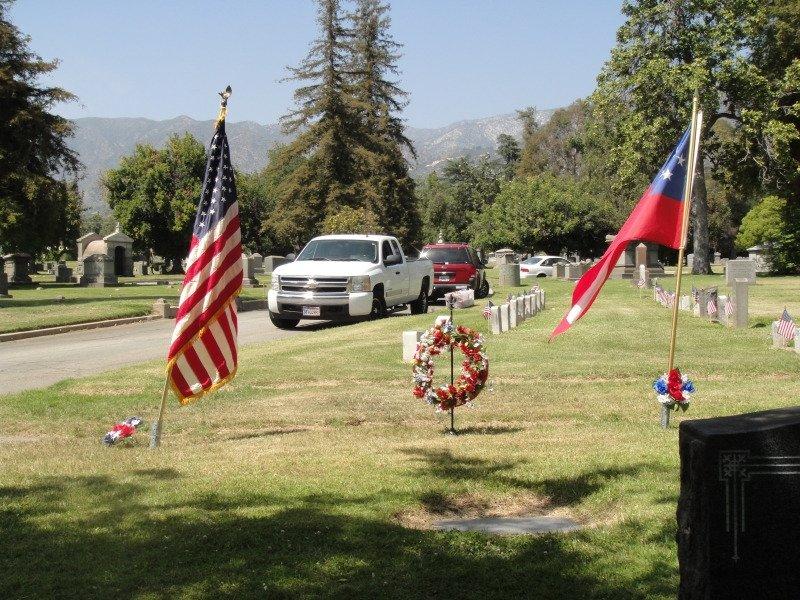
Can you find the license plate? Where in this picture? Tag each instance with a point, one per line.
(311, 311)
(444, 278)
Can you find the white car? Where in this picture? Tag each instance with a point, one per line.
(339, 277)
(540, 266)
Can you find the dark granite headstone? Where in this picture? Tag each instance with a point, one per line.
(739, 508)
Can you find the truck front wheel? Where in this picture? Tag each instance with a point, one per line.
(378, 307)
(420, 305)
(281, 323)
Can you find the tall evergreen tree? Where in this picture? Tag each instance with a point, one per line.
(327, 122)
(385, 186)
(36, 206)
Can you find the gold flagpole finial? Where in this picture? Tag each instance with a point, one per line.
(223, 105)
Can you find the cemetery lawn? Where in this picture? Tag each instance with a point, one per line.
(315, 472)
(32, 308)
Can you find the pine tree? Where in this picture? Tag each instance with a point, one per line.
(36, 208)
(385, 184)
(327, 121)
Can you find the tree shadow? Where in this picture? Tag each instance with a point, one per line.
(561, 491)
(78, 537)
(33, 302)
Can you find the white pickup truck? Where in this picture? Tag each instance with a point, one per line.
(340, 277)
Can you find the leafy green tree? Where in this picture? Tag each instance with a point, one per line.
(37, 206)
(665, 50)
(154, 195)
(351, 220)
(765, 225)
(509, 151)
(557, 146)
(546, 213)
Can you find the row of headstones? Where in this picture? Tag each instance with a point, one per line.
(514, 312)
(256, 264)
(571, 271)
(739, 318)
(780, 342)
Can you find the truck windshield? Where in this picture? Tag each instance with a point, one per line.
(355, 250)
(446, 255)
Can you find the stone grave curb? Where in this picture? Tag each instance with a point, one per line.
(22, 335)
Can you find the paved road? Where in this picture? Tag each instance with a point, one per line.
(55, 357)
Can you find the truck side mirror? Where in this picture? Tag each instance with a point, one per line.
(290, 257)
(393, 259)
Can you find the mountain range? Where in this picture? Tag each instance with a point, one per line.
(101, 142)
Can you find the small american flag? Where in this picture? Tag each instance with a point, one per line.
(641, 283)
(487, 310)
(663, 296)
(786, 326)
(729, 306)
(711, 306)
(203, 352)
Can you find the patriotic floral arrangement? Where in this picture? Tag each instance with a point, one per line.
(474, 367)
(674, 389)
(122, 431)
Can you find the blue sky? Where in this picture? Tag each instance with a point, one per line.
(462, 58)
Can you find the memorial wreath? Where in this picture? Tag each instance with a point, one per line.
(474, 367)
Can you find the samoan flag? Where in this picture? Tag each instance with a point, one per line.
(656, 218)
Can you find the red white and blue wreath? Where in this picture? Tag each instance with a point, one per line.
(474, 367)
(674, 390)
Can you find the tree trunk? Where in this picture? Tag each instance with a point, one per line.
(701, 264)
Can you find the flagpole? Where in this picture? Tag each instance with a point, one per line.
(694, 142)
(155, 430)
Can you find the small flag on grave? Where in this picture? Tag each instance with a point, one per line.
(487, 310)
(641, 283)
(786, 326)
(729, 307)
(711, 305)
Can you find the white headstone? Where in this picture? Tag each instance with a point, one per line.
(494, 320)
(740, 268)
(410, 341)
(512, 313)
(778, 341)
(504, 317)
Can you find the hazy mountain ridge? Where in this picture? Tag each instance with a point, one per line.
(101, 142)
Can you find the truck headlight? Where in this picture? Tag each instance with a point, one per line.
(360, 283)
(276, 282)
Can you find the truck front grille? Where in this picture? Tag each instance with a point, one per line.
(322, 285)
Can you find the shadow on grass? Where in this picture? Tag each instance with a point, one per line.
(12, 303)
(489, 430)
(561, 491)
(97, 537)
(262, 434)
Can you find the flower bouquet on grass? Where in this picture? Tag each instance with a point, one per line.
(674, 390)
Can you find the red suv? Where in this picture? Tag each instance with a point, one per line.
(456, 267)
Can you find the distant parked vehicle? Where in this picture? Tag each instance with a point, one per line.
(456, 267)
(540, 266)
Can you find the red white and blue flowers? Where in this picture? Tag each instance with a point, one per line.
(474, 367)
(674, 390)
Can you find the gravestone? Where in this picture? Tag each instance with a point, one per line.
(494, 320)
(270, 263)
(626, 263)
(140, 268)
(640, 256)
(97, 271)
(63, 273)
(258, 262)
(410, 341)
(722, 316)
(509, 275)
(686, 302)
(248, 276)
(16, 267)
(717, 259)
(559, 270)
(512, 312)
(739, 506)
(4, 285)
(460, 298)
(778, 341)
(573, 272)
(528, 305)
(504, 317)
(520, 309)
(541, 299)
(690, 261)
(741, 287)
(740, 268)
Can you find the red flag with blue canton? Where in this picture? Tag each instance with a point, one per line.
(656, 218)
(203, 352)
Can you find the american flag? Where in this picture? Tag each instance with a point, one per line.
(786, 326)
(203, 354)
(729, 307)
(711, 305)
(641, 283)
(664, 297)
(487, 310)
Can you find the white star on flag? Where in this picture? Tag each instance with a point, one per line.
(681, 160)
(666, 174)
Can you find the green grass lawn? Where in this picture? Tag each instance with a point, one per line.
(33, 308)
(315, 472)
